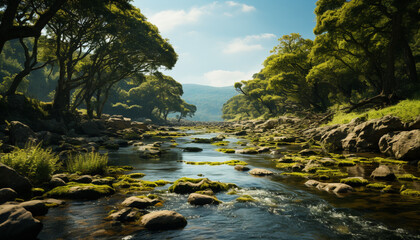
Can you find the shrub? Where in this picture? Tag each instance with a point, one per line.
(88, 163)
(33, 162)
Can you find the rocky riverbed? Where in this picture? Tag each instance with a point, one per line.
(380, 159)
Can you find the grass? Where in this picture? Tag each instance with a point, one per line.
(34, 162)
(399, 110)
(89, 163)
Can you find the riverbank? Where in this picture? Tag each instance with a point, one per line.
(283, 144)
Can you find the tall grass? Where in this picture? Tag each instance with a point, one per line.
(88, 163)
(406, 110)
(34, 162)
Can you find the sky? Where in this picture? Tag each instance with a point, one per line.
(222, 42)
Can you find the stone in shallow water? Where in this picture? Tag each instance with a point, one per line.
(18, 223)
(261, 172)
(241, 168)
(139, 202)
(383, 172)
(201, 199)
(163, 220)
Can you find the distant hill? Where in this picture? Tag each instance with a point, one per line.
(209, 100)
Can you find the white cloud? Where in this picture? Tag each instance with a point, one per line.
(223, 78)
(243, 7)
(169, 19)
(247, 44)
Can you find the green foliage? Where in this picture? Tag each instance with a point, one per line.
(406, 110)
(88, 163)
(34, 162)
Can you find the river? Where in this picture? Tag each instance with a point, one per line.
(285, 208)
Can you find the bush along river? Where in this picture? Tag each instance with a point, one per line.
(251, 180)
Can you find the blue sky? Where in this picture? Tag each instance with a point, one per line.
(222, 42)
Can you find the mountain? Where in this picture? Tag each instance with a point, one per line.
(209, 100)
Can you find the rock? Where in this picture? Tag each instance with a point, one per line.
(327, 162)
(187, 185)
(241, 168)
(140, 125)
(309, 152)
(331, 140)
(125, 215)
(148, 151)
(118, 122)
(49, 138)
(9, 178)
(18, 223)
(81, 191)
(20, 134)
(383, 172)
(56, 182)
(51, 202)
(84, 179)
(330, 187)
(139, 203)
(414, 124)
(317, 133)
(297, 167)
(62, 176)
(162, 220)
(247, 151)
(401, 145)
(263, 149)
(269, 124)
(201, 199)
(7, 194)
(241, 133)
(260, 172)
(102, 181)
(284, 139)
(53, 126)
(36, 207)
(91, 128)
(311, 166)
(192, 149)
(365, 136)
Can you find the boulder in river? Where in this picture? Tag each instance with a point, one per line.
(190, 185)
(260, 172)
(125, 215)
(9, 178)
(202, 199)
(163, 220)
(18, 223)
(383, 172)
(192, 149)
(401, 145)
(241, 168)
(336, 188)
(139, 202)
(81, 191)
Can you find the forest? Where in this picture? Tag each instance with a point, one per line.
(365, 55)
(99, 56)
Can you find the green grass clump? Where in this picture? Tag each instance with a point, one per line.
(398, 110)
(225, 150)
(245, 198)
(34, 162)
(354, 182)
(88, 163)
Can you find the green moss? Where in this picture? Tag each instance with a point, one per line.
(232, 192)
(160, 183)
(226, 150)
(203, 140)
(38, 191)
(411, 193)
(121, 184)
(407, 177)
(205, 184)
(354, 182)
(284, 165)
(388, 161)
(378, 186)
(245, 198)
(331, 173)
(148, 183)
(221, 143)
(297, 174)
(80, 191)
(136, 175)
(230, 163)
(118, 169)
(346, 163)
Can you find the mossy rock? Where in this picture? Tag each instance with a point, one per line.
(298, 174)
(346, 163)
(354, 181)
(377, 186)
(406, 177)
(226, 150)
(80, 191)
(389, 161)
(136, 175)
(190, 185)
(230, 163)
(221, 143)
(410, 192)
(245, 198)
(37, 191)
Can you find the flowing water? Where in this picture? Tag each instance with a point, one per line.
(285, 209)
